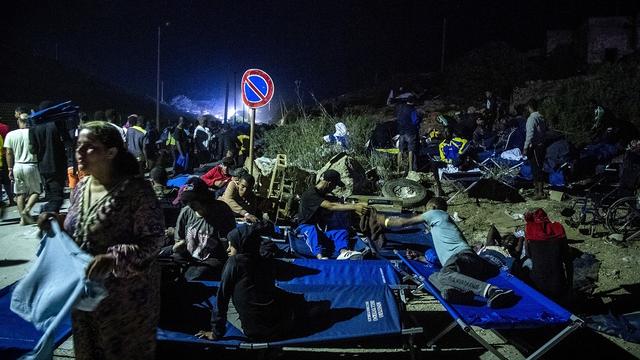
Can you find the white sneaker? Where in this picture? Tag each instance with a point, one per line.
(350, 255)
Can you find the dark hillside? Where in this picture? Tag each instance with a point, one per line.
(30, 79)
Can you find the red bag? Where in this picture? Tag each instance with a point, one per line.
(540, 228)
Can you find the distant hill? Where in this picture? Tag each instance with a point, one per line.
(30, 79)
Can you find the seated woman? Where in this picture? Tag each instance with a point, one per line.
(249, 281)
(483, 136)
(200, 230)
(241, 199)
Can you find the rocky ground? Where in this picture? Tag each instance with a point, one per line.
(618, 280)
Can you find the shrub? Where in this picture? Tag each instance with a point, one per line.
(615, 86)
(302, 140)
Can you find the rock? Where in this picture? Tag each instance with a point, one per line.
(351, 173)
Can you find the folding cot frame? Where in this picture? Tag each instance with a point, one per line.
(486, 172)
(423, 284)
(236, 340)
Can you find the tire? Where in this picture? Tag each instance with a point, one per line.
(623, 216)
(411, 192)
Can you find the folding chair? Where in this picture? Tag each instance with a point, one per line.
(533, 310)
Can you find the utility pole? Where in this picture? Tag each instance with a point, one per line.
(226, 102)
(444, 37)
(162, 92)
(234, 93)
(158, 85)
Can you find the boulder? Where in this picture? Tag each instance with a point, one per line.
(351, 173)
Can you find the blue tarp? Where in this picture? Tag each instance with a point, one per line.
(17, 336)
(414, 237)
(361, 304)
(532, 311)
(298, 245)
(178, 180)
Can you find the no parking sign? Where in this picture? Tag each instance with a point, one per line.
(257, 88)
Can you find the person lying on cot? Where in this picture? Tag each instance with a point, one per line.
(503, 251)
(463, 272)
(249, 281)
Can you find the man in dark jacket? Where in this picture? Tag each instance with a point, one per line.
(409, 130)
(47, 143)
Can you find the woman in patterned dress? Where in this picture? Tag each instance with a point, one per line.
(115, 216)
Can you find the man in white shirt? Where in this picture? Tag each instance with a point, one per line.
(201, 138)
(23, 169)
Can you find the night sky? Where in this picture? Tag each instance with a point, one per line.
(331, 46)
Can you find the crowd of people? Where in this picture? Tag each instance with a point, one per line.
(462, 140)
(121, 217)
(127, 220)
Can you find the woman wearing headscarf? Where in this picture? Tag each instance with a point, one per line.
(249, 281)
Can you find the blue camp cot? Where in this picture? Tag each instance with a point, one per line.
(533, 310)
(362, 293)
(363, 289)
(17, 336)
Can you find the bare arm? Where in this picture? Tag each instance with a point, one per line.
(332, 206)
(10, 158)
(395, 221)
(229, 198)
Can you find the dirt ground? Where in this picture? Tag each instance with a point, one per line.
(618, 280)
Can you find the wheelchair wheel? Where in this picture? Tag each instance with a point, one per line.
(623, 215)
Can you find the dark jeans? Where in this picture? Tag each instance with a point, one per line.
(6, 181)
(464, 271)
(209, 269)
(54, 192)
(536, 154)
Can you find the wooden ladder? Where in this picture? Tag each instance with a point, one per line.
(281, 188)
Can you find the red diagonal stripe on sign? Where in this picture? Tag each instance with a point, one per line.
(255, 89)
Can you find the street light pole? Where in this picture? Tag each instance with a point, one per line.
(158, 85)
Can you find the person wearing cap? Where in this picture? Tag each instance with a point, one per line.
(218, 177)
(202, 226)
(240, 197)
(315, 213)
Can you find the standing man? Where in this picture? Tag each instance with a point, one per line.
(113, 117)
(491, 109)
(183, 147)
(409, 131)
(136, 137)
(47, 145)
(201, 138)
(534, 146)
(315, 215)
(23, 169)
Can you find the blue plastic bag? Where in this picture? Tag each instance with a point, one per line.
(183, 161)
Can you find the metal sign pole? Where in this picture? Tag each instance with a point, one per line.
(253, 122)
